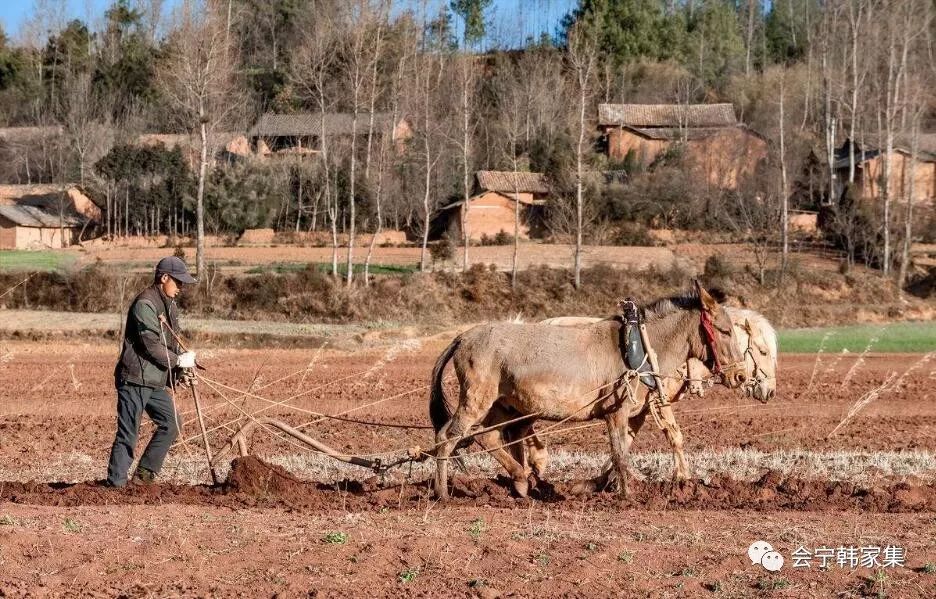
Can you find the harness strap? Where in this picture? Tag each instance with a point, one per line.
(639, 355)
(709, 329)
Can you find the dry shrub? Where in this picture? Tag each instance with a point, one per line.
(445, 297)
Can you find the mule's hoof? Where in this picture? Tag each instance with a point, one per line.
(521, 488)
(584, 487)
(623, 491)
(533, 480)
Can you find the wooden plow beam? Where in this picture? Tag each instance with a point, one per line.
(239, 442)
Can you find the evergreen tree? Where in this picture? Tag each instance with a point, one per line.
(714, 45)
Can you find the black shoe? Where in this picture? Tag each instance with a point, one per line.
(143, 477)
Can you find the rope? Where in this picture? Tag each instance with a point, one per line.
(288, 399)
(283, 378)
(320, 415)
(252, 417)
(544, 433)
(367, 405)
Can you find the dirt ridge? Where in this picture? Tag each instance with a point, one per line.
(254, 483)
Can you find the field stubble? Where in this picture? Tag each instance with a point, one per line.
(764, 471)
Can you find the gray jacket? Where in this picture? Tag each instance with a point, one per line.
(149, 351)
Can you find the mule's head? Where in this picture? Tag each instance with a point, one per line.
(720, 351)
(760, 360)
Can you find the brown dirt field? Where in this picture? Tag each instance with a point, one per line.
(262, 534)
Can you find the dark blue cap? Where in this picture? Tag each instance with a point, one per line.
(175, 268)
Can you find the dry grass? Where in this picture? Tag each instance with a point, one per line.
(891, 383)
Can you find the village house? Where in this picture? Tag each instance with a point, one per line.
(869, 170)
(491, 208)
(714, 144)
(45, 216)
(301, 134)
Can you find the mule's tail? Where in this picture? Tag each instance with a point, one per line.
(439, 411)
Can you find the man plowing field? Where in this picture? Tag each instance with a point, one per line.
(147, 359)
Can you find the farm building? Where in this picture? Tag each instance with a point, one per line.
(715, 145)
(301, 134)
(491, 208)
(37, 216)
(869, 170)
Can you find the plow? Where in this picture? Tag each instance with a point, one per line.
(239, 439)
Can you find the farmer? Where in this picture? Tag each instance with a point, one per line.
(147, 359)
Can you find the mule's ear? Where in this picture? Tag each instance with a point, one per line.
(748, 327)
(708, 302)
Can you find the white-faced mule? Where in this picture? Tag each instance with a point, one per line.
(571, 374)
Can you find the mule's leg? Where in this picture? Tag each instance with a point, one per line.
(675, 437)
(517, 450)
(616, 421)
(466, 415)
(608, 473)
(633, 427)
(537, 453)
(493, 442)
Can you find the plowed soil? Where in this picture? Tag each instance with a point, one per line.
(271, 531)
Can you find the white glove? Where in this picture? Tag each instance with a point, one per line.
(186, 360)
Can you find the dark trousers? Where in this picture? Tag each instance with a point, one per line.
(132, 401)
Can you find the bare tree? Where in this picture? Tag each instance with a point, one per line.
(888, 113)
(828, 25)
(512, 106)
(856, 9)
(152, 12)
(87, 123)
(198, 78)
(428, 80)
(581, 55)
(386, 146)
(784, 188)
(750, 17)
(362, 52)
(312, 74)
(917, 20)
(467, 84)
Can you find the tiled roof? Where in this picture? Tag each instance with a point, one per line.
(336, 123)
(509, 182)
(667, 115)
(34, 216)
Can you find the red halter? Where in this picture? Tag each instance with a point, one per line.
(710, 339)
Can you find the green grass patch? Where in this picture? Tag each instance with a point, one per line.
(323, 267)
(32, 261)
(336, 538)
(910, 337)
